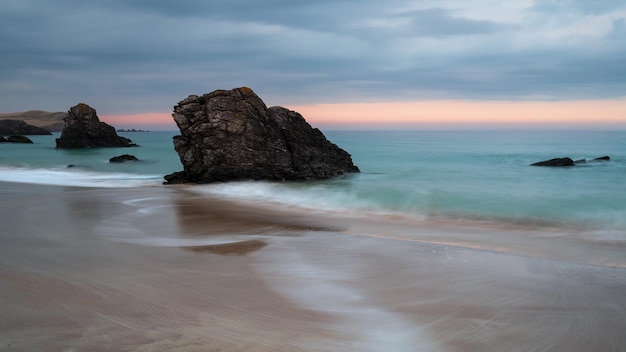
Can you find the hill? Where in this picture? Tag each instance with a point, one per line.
(51, 121)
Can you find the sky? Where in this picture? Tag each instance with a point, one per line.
(340, 63)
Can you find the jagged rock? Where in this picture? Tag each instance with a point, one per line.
(19, 139)
(19, 127)
(555, 162)
(232, 135)
(83, 129)
(3, 140)
(123, 158)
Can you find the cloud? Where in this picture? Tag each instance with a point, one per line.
(144, 56)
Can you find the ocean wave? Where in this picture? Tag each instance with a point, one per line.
(326, 196)
(78, 178)
(418, 204)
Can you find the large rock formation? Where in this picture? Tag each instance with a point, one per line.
(231, 135)
(83, 129)
(19, 127)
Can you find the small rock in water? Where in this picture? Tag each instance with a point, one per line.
(123, 158)
(556, 162)
(19, 139)
(602, 158)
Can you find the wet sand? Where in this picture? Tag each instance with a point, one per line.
(169, 269)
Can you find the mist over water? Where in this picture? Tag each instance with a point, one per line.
(458, 175)
(447, 241)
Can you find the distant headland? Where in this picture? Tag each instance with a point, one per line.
(130, 130)
(51, 121)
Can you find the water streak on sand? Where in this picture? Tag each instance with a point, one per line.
(165, 269)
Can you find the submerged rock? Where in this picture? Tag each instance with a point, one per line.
(564, 162)
(19, 127)
(602, 158)
(19, 139)
(83, 129)
(555, 162)
(123, 158)
(231, 135)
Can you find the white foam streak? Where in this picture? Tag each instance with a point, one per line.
(79, 178)
(319, 287)
(311, 197)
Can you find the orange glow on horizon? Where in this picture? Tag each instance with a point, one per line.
(469, 112)
(448, 114)
(143, 120)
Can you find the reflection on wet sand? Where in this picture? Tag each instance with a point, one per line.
(202, 215)
(235, 248)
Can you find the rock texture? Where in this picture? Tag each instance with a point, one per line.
(19, 127)
(231, 135)
(83, 129)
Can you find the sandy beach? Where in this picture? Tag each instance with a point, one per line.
(171, 269)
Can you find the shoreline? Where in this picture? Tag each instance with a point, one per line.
(165, 268)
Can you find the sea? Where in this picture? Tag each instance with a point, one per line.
(475, 176)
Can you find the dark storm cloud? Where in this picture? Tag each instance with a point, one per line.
(130, 56)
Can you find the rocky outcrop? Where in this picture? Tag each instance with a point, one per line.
(19, 127)
(83, 129)
(123, 158)
(564, 162)
(19, 139)
(231, 135)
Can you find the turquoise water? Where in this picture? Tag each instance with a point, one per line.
(460, 175)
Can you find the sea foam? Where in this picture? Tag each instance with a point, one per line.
(78, 178)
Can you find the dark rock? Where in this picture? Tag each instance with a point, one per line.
(602, 158)
(560, 162)
(123, 158)
(232, 135)
(19, 127)
(71, 165)
(19, 139)
(176, 178)
(3, 140)
(83, 129)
